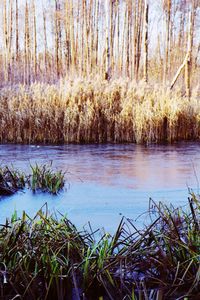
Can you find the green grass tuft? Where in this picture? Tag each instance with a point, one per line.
(48, 258)
(42, 178)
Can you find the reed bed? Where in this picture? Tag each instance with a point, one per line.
(46, 257)
(97, 111)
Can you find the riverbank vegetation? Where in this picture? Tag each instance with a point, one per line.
(42, 178)
(48, 258)
(90, 111)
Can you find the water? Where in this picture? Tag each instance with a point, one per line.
(106, 182)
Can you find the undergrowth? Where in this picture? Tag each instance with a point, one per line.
(46, 257)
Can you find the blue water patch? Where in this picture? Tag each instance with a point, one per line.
(106, 182)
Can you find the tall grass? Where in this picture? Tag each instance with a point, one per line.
(42, 178)
(97, 111)
(45, 179)
(11, 180)
(47, 258)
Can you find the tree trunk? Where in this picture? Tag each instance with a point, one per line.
(5, 33)
(26, 47)
(167, 43)
(35, 42)
(17, 32)
(189, 52)
(45, 45)
(107, 67)
(56, 40)
(146, 19)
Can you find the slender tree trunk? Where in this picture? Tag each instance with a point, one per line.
(146, 19)
(10, 38)
(67, 36)
(168, 24)
(189, 51)
(96, 32)
(107, 67)
(56, 40)
(45, 45)
(90, 32)
(5, 33)
(17, 34)
(127, 39)
(60, 40)
(85, 39)
(35, 41)
(111, 32)
(72, 47)
(26, 47)
(118, 39)
(138, 25)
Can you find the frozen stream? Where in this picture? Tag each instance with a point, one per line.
(105, 182)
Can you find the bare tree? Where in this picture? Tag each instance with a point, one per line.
(107, 67)
(108, 37)
(17, 31)
(34, 40)
(146, 19)
(167, 8)
(45, 44)
(26, 46)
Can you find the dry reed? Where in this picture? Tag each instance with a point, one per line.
(88, 111)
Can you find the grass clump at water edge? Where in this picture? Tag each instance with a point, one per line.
(11, 180)
(45, 179)
(48, 258)
(42, 178)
